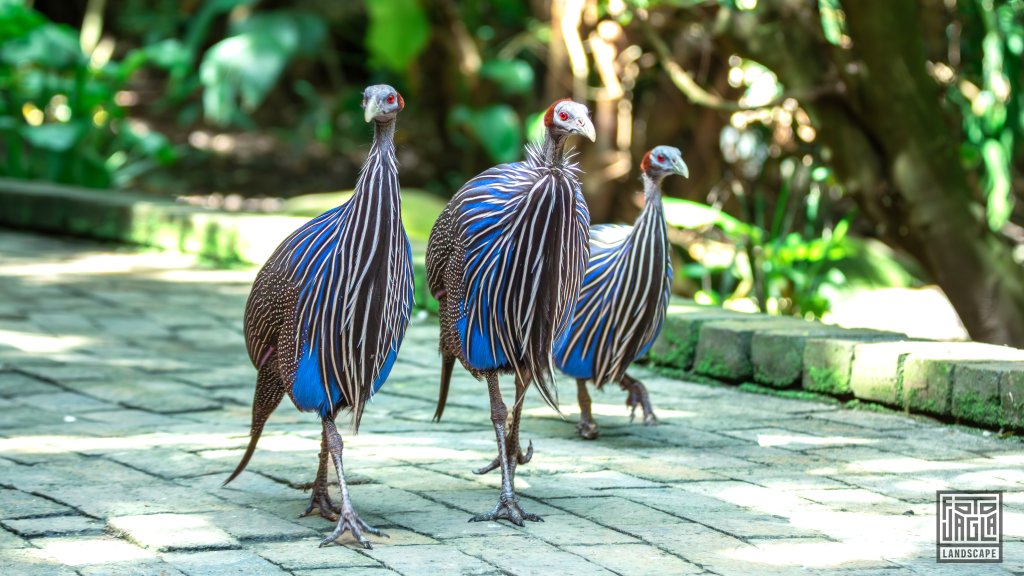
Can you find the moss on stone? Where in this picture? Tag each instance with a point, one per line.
(973, 407)
(825, 379)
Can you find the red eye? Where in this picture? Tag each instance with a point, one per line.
(661, 158)
(564, 116)
(391, 99)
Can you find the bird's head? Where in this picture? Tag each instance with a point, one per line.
(381, 103)
(661, 161)
(568, 117)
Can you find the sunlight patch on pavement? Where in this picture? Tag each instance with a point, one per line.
(774, 440)
(41, 344)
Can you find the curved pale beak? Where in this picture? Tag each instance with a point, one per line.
(679, 167)
(584, 127)
(371, 110)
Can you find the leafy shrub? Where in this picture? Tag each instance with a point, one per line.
(59, 115)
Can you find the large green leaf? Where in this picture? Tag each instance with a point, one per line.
(497, 128)
(239, 72)
(690, 215)
(513, 76)
(398, 32)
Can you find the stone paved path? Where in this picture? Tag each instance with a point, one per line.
(124, 402)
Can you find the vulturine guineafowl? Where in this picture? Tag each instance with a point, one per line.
(505, 261)
(329, 309)
(624, 297)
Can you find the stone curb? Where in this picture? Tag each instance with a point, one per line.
(133, 218)
(969, 382)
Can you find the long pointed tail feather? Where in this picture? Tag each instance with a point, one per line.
(269, 392)
(447, 363)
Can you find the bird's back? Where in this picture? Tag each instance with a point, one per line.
(622, 301)
(334, 300)
(510, 252)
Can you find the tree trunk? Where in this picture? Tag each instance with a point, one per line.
(889, 144)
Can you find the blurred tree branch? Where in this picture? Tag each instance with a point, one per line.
(701, 97)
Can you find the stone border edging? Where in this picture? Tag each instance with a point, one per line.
(970, 382)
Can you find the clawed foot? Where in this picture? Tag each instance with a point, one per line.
(637, 396)
(321, 502)
(349, 521)
(520, 458)
(587, 429)
(508, 508)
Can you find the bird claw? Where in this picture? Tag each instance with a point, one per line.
(321, 502)
(520, 459)
(349, 521)
(637, 396)
(508, 508)
(587, 429)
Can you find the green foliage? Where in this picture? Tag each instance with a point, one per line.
(398, 32)
(787, 267)
(59, 117)
(497, 128)
(239, 72)
(990, 98)
(512, 76)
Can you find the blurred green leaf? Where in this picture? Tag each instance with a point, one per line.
(398, 32)
(512, 76)
(832, 20)
(53, 137)
(496, 128)
(47, 45)
(998, 189)
(238, 72)
(690, 215)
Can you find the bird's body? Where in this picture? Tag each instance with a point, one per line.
(624, 297)
(505, 260)
(329, 309)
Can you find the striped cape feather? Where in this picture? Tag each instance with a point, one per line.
(623, 299)
(524, 228)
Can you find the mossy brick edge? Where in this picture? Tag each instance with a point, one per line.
(887, 368)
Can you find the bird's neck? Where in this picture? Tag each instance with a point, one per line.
(381, 167)
(553, 148)
(384, 134)
(652, 197)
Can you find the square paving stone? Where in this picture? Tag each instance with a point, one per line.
(299, 554)
(635, 559)
(163, 532)
(15, 384)
(527, 556)
(431, 559)
(17, 504)
(221, 563)
(54, 526)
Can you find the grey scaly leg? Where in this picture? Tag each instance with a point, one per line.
(586, 428)
(348, 520)
(320, 500)
(507, 506)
